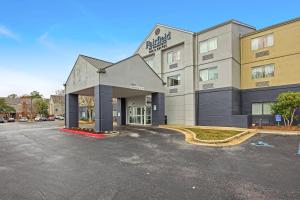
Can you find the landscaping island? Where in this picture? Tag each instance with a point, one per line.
(213, 134)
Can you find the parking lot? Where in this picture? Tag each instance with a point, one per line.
(39, 162)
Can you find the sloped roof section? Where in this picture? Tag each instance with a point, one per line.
(57, 99)
(132, 73)
(99, 64)
(232, 21)
(136, 57)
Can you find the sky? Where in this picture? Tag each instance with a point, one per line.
(41, 39)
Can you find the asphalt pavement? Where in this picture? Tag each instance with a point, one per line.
(39, 162)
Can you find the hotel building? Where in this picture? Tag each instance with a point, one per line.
(226, 75)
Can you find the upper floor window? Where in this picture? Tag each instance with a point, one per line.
(208, 74)
(263, 71)
(262, 108)
(150, 62)
(174, 80)
(262, 42)
(208, 45)
(173, 57)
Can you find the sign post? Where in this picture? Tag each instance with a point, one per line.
(278, 119)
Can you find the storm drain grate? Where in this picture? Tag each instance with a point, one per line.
(261, 143)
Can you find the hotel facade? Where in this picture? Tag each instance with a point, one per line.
(226, 75)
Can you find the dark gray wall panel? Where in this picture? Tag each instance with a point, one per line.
(71, 110)
(118, 111)
(267, 94)
(121, 108)
(158, 115)
(220, 107)
(123, 111)
(103, 108)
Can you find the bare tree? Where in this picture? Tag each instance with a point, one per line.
(87, 101)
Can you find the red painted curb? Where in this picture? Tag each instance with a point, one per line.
(94, 135)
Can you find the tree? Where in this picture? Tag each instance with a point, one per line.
(4, 108)
(41, 106)
(60, 92)
(13, 96)
(87, 101)
(286, 105)
(35, 95)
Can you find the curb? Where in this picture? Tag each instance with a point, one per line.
(190, 137)
(217, 141)
(277, 132)
(94, 135)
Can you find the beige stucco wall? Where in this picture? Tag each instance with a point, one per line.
(56, 108)
(285, 54)
(226, 57)
(180, 106)
(83, 75)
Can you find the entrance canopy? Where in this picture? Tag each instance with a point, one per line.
(129, 77)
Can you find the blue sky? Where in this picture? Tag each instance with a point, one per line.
(40, 40)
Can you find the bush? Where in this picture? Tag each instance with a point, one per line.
(286, 105)
(84, 119)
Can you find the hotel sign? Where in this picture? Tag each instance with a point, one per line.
(158, 43)
(136, 87)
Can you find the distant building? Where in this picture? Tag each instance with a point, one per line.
(57, 105)
(22, 106)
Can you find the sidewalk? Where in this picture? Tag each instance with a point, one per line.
(278, 132)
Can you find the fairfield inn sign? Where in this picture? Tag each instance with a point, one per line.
(159, 42)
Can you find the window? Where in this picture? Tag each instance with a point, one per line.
(208, 74)
(267, 108)
(208, 45)
(261, 108)
(174, 80)
(262, 42)
(263, 71)
(150, 62)
(173, 57)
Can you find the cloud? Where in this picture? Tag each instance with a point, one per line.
(45, 41)
(5, 32)
(20, 82)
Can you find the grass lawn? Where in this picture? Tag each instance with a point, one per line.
(209, 134)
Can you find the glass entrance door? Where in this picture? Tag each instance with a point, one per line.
(139, 115)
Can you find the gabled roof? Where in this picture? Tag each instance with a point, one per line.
(165, 26)
(12, 101)
(135, 56)
(232, 21)
(99, 64)
(59, 99)
(273, 26)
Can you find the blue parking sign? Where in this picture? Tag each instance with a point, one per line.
(278, 118)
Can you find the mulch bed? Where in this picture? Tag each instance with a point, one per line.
(84, 132)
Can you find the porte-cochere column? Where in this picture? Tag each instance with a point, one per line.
(158, 108)
(103, 108)
(71, 110)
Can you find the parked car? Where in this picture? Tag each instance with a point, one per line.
(2, 120)
(37, 119)
(23, 119)
(51, 118)
(59, 117)
(43, 119)
(11, 119)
